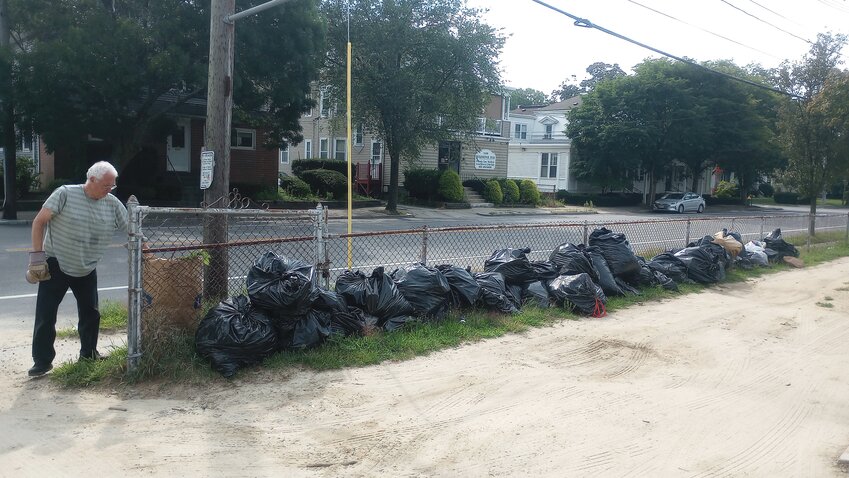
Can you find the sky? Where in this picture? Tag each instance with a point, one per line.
(544, 48)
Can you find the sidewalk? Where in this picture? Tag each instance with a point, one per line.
(24, 218)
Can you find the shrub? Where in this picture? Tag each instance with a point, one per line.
(325, 181)
(26, 179)
(493, 192)
(786, 198)
(766, 189)
(726, 189)
(295, 187)
(301, 165)
(450, 188)
(422, 184)
(528, 192)
(510, 190)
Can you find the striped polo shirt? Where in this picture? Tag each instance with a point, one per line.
(81, 228)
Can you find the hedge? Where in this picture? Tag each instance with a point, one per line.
(713, 200)
(450, 188)
(301, 165)
(605, 199)
(324, 181)
(789, 198)
(493, 192)
(528, 192)
(422, 184)
(295, 186)
(510, 190)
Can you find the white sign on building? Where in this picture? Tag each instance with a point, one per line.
(485, 159)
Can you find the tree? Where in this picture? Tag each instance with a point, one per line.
(598, 71)
(7, 113)
(98, 68)
(526, 97)
(813, 124)
(422, 71)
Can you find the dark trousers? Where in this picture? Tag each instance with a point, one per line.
(50, 295)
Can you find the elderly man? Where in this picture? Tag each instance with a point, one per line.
(69, 236)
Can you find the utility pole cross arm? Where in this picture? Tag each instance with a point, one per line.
(244, 13)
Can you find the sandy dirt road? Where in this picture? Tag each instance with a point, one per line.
(740, 380)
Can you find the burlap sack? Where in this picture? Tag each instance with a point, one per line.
(732, 246)
(172, 290)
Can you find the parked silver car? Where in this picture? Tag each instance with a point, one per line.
(679, 202)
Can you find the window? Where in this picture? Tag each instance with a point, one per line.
(520, 131)
(308, 149)
(549, 129)
(24, 140)
(376, 156)
(243, 139)
(339, 151)
(548, 165)
(309, 113)
(322, 148)
(358, 135)
(284, 154)
(325, 105)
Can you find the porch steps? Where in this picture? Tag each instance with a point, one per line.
(474, 199)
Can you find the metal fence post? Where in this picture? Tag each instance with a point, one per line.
(424, 245)
(320, 246)
(808, 236)
(687, 234)
(586, 232)
(134, 284)
(732, 223)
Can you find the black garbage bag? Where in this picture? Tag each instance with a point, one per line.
(397, 322)
(351, 322)
(702, 265)
(310, 331)
(626, 287)
(512, 264)
(717, 250)
(494, 294)
(670, 266)
(651, 277)
(580, 293)
(783, 248)
(605, 276)
(617, 251)
(572, 260)
(536, 294)
(464, 288)
(235, 334)
(328, 301)
(386, 301)
(426, 289)
(355, 288)
(546, 270)
(281, 286)
(665, 282)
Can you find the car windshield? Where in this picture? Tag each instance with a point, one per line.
(673, 196)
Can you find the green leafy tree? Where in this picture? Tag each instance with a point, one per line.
(527, 96)
(98, 68)
(813, 125)
(422, 71)
(598, 71)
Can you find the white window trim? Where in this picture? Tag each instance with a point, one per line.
(283, 150)
(358, 135)
(379, 158)
(548, 157)
(252, 132)
(307, 149)
(522, 132)
(344, 149)
(326, 152)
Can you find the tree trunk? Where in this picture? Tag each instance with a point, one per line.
(696, 176)
(7, 106)
(652, 187)
(812, 218)
(392, 200)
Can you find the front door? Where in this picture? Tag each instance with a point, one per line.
(449, 155)
(178, 146)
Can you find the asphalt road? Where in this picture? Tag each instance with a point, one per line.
(17, 297)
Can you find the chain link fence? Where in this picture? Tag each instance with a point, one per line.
(183, 260)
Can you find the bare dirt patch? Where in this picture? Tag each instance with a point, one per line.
(740, 380)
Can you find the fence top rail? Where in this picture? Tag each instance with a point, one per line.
(271, 213)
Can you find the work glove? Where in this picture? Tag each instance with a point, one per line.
(37, 270)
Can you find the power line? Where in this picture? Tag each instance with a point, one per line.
(776, 13)
(704, 30)
(764, 21)
(585, 23)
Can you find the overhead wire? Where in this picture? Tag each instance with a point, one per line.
(766, 22)
(776, 13)
(704, 30)
(585, 23)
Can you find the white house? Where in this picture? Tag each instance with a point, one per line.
(539, 149)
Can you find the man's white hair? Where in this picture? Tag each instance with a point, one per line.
(98, 169)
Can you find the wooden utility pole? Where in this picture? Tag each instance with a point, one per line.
(7, 109)
(219, 104)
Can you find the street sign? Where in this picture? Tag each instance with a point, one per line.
(207, 164)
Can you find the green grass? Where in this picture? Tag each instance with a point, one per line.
(113, 318)
(827, 305)
(171, 357)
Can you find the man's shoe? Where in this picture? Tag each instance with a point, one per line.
(38, 370)
(94, 356)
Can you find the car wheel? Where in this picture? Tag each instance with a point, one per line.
(701, 208)
(681, 209)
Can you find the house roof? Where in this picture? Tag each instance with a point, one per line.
(566, 104)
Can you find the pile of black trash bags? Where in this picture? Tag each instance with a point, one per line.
(285, 310)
